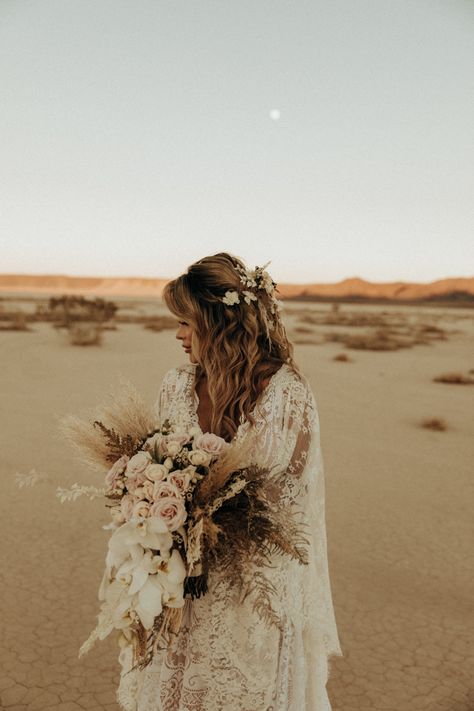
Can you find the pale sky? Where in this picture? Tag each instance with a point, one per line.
(334, 138)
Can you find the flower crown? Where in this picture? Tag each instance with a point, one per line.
(253, 281)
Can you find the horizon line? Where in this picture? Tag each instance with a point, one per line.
(162, 278)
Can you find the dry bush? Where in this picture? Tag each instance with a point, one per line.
(85, 334)
(342, 358)
(160, 323)
(380, 340)
(454, 379)
(43, 312)
(303, 329)
(83, 318)
(14, 321)
(388, 338)
(433, 332)
(355, 320)
(434, 423)
(311, 318)
(66, 310)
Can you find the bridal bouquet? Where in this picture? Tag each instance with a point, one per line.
(182, 504)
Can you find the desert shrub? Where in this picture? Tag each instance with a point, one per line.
(342, 358)
(14, 321)
(454, 379)
(160, 323)
(380, 340)
(66, 310)
(302, 329)
(434, 423)
(82, 333)
(83, 318)
(433, 332)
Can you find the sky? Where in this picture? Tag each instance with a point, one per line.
(334, 138)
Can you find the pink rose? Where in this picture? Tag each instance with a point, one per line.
(138, 463)
(199, 457)
(135, 482)
(156, 472)
(171, 510)
(181, 479)
(148, 488)
(126, 506)
(141, 508)
(165, 490)
(115, 472)
(210, 443)
(173, 443)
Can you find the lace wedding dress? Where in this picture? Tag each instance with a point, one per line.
(225, 658)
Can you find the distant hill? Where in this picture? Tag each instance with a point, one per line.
(354, 289)
(101, 286)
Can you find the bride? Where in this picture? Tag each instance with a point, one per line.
(243, 384)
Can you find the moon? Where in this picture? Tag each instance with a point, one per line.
(275, 114)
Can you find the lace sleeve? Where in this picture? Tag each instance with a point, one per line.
(302, 424)
(306, 465)
(161, 407)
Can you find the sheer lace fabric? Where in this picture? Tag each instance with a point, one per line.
(225, 657)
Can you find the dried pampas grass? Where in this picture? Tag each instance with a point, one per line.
(121, 422)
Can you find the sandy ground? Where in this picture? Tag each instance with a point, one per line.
(399, 502)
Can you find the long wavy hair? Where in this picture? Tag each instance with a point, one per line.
(235, 350)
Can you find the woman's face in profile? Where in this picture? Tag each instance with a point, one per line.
(185, 335)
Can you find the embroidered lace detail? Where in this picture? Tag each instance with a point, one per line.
(225, 657)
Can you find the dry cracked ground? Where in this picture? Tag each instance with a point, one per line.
(399, 503)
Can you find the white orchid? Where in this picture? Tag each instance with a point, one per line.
(134, 572)
(171, 576)
(154, 590)
(149, 532)
(148, 601)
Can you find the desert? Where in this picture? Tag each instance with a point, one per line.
(394, 385)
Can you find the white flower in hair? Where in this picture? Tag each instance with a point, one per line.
(249, 296)
(231, 298)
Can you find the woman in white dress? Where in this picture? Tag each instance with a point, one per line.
(242, 384)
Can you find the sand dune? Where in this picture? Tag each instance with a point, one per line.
(398, 509)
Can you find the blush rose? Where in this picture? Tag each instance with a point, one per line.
(171, 510)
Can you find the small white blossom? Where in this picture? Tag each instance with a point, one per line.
(249, 296)
(231, 298)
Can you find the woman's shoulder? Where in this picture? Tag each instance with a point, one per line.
(293, 392)
(176, 375)
(289, 379)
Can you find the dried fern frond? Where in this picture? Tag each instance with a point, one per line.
(262, 592)
(117, 445)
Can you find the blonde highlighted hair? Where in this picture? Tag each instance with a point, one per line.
(234, 350)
